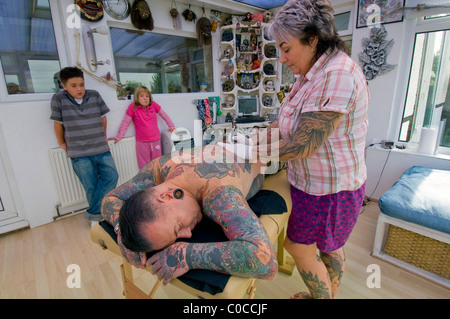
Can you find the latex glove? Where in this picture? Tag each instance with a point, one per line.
(240, 145)
(238, 138)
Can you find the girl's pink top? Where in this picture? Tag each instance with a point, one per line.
(145, 122)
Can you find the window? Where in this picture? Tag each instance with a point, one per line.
(428, 97)
(28, 51)
(164, 63)
(437, 16)
(343, 19)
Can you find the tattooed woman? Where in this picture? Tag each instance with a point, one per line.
(170, 195)
(323, 124)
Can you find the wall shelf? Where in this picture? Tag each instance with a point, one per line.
(248, 60)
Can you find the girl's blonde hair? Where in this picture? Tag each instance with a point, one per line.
(137, 92)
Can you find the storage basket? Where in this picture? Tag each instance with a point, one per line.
(418, 250)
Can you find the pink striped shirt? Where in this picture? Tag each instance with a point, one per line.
(334, 83)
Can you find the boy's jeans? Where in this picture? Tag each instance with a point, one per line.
(98, 175)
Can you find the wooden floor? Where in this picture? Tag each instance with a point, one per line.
(34, 262)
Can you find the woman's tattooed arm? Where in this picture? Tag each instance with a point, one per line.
(313, 130)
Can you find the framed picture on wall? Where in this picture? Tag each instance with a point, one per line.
(373, 12)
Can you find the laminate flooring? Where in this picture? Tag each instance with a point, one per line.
(34, 264)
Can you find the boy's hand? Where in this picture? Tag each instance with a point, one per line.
(64, 147)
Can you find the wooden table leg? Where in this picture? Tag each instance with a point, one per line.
(130, 290)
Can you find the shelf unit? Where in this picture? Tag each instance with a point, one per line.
(249, 65)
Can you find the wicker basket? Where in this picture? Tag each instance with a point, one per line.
(420, 251)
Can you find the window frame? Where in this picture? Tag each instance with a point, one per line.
(351, 21)
(58, 20)
(180, 33)
(413, 26)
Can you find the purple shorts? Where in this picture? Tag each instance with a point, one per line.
(325, 220)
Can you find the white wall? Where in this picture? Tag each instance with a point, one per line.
(28, 131)
(386, 166)
(383, 87)
(386, 105)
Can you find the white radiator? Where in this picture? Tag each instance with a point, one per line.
(70, 191)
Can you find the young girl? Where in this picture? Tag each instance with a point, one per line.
(148, 137)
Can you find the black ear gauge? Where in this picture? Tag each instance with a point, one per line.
(178, 193)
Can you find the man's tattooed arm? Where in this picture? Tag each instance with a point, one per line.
(113, 201)
(149, 175)
(248, 253)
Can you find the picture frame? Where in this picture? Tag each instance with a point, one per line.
(373, 12)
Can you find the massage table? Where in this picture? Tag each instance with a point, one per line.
(234, 287)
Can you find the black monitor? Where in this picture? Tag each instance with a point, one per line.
(248, 105)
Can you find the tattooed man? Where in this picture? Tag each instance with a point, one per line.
(170, 195)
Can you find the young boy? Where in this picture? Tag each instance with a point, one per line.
(80, 128)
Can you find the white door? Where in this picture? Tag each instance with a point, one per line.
(10, 219)
(7, 207)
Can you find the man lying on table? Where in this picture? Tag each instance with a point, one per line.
(168, 198)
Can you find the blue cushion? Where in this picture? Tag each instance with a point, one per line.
(420, 196)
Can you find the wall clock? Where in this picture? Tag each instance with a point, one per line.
(118, 9)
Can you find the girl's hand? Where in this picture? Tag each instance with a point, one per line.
(113, 139)
(172, 130)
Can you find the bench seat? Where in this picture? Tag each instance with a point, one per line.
(421, 196)
(414, 224)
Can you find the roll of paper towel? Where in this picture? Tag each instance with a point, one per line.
(427, 142)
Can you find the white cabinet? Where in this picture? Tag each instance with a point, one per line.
(249, 65)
